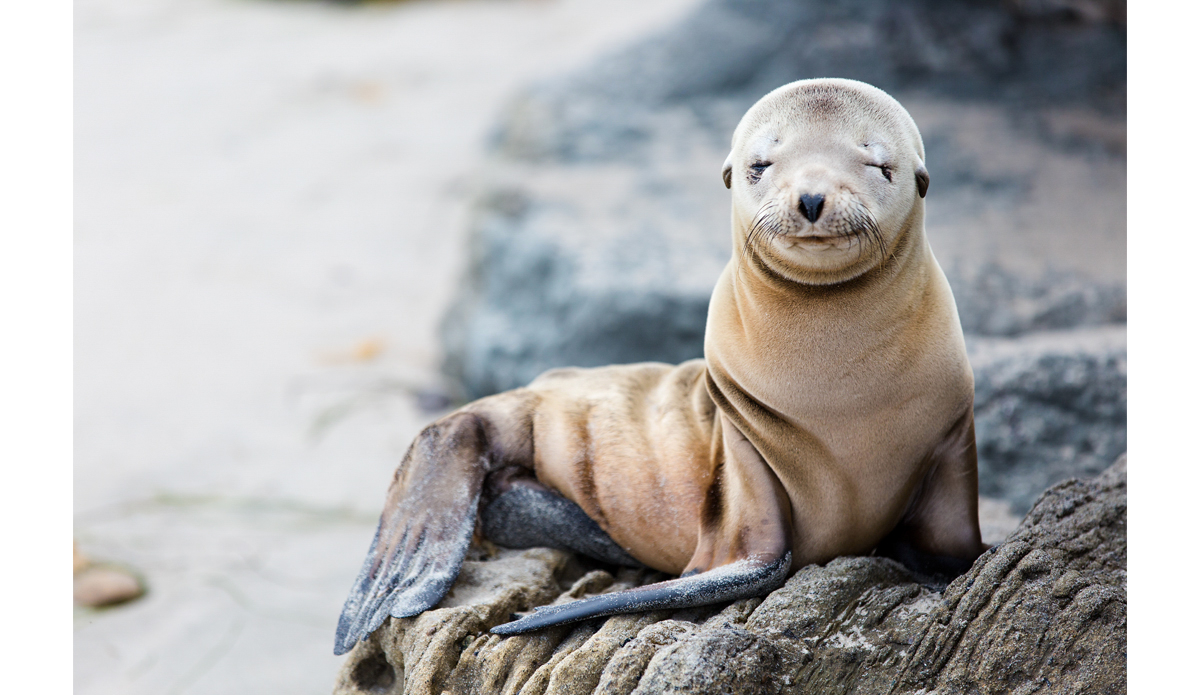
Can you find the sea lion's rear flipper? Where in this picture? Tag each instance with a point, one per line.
(529, 515)
(753, 576)
(424, 531)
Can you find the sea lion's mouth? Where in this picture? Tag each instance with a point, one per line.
(845, 226)
(828, 236)
(825, 238)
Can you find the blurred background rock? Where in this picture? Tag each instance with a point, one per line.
(304, 229)
(603, 224)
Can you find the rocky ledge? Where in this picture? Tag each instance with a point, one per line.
(1042, 611)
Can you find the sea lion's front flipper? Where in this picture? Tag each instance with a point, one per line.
(939, 534)
(753, 576)
(425, 528)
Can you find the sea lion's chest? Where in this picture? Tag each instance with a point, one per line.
(846, 413)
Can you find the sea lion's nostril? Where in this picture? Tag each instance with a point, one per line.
(810, 206)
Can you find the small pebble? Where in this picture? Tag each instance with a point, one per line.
(105, 586)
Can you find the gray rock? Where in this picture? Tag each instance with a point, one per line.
(555, 281)
(1046, 610)
(1048, 406)
(1043, 610)
(603, 224)
(672, 86)
(994, 301)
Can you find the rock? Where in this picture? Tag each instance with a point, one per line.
(994, 301)
(1111, 11)
(624, 670)
(661, 92)
(552, 283)
(98, 586)
(602, 224)
(1043, 610)
(1048, 406)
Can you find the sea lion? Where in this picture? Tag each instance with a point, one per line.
(831, 414)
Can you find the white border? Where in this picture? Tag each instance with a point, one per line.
(35, 344)
(1164, 270)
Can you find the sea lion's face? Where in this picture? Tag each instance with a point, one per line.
(827, 177)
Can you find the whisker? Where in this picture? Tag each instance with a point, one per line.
(765, 224)
(854, 223)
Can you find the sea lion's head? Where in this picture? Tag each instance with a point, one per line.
(827, 178)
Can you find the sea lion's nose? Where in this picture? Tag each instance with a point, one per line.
(810, 206)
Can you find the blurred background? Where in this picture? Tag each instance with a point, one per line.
(305, 229)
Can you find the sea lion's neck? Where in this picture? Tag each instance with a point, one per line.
(767, 335)
(768, 304)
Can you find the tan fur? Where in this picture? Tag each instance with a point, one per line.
(833, 405)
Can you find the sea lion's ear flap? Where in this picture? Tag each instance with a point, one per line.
(922, 179)
(727, 171)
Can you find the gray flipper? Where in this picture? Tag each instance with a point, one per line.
(753, 576)
(528, 516)
(424, 531)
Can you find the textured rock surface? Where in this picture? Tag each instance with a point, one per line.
(1043, 611)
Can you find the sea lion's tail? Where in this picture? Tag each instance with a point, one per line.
(424, 531)
(756, 575)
